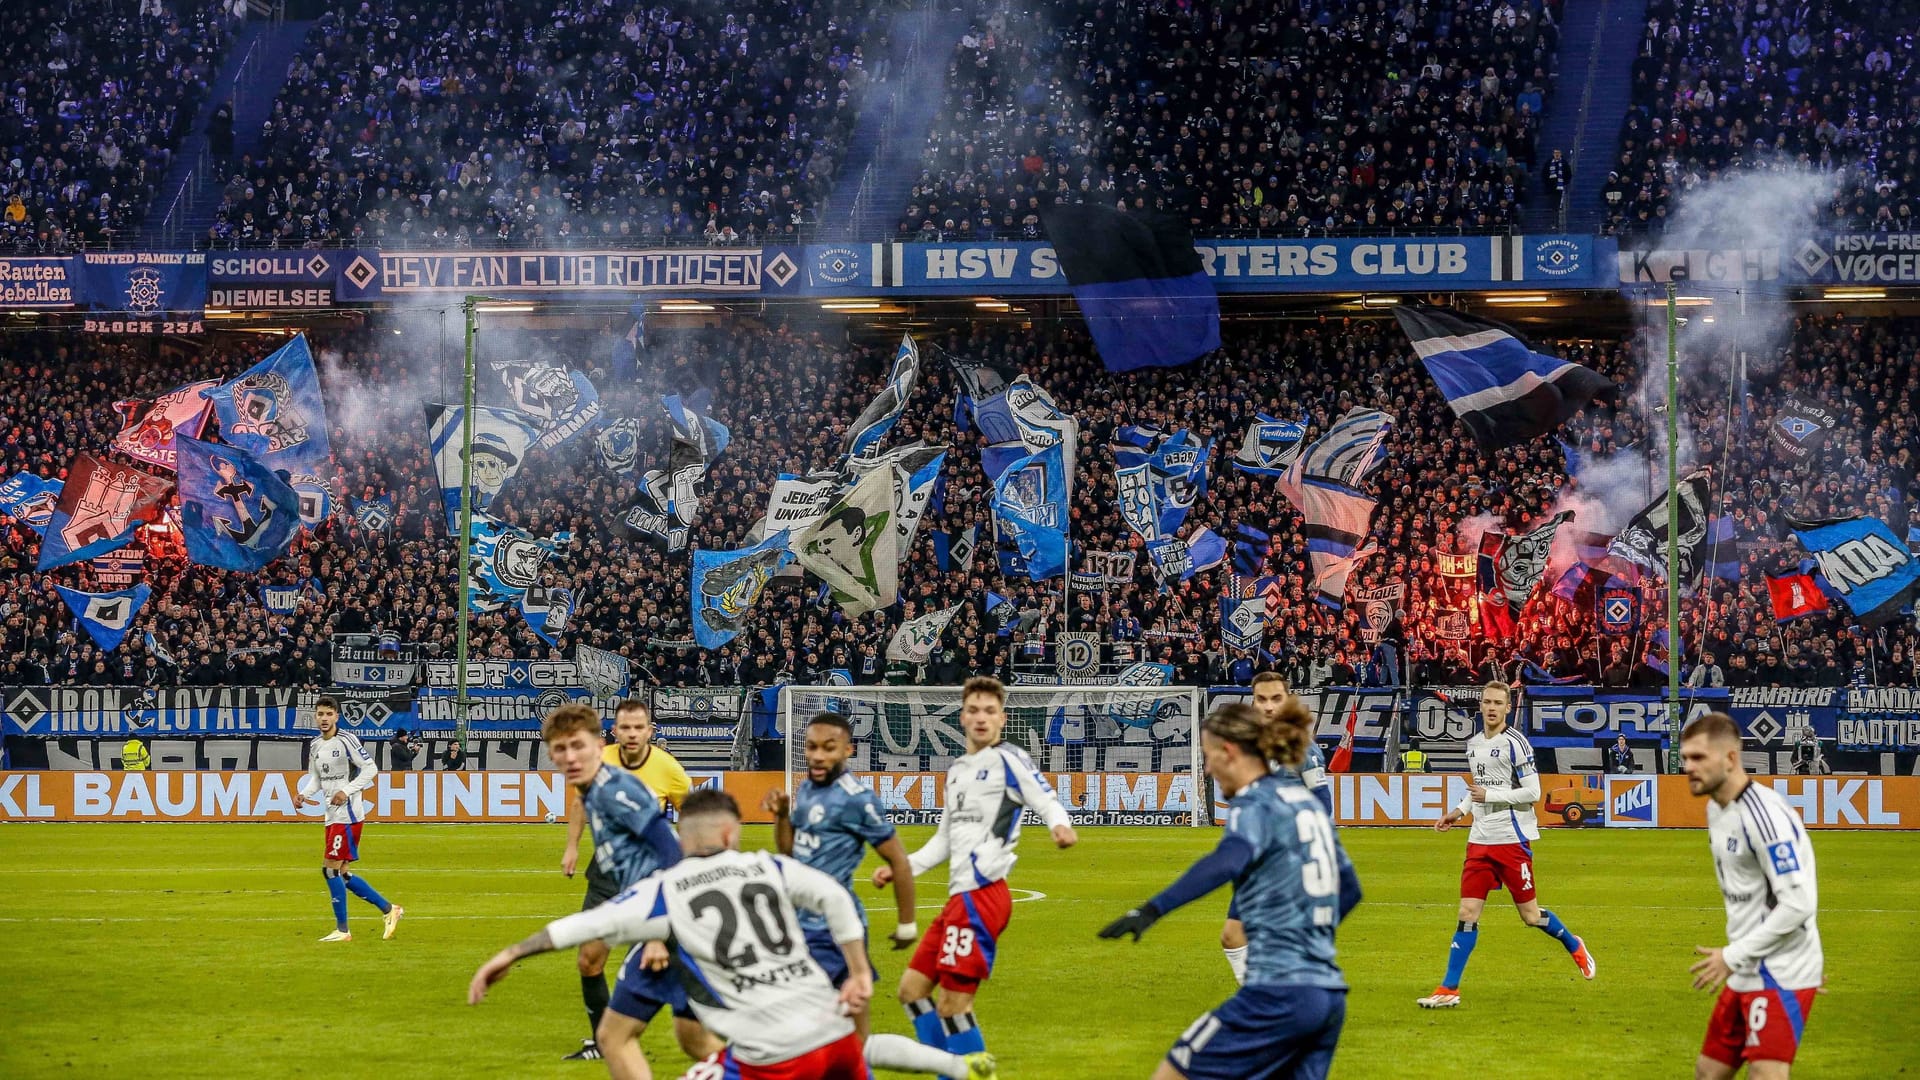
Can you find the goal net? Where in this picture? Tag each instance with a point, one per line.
(1116, 755)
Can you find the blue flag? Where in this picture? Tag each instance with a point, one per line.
(1138, 280)
(159, 651)
(374, 515)
(30, 500)
(627, 348)
(235, 514)
(274, 411)
(691, 423)
(863, 438)
(280, 599)
(1863, 564)
(1502, 390)
(1251, 547)
(1030, 503)
(1270, 446)
(1723, 551)
(547, 611)
(505, 563)
(1660, 656)
(726, 585)
(1618, 610)
(106, 617)
(500, 441)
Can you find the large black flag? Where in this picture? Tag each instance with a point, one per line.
(1139, 282)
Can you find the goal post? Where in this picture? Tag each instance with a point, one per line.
(1117, 755)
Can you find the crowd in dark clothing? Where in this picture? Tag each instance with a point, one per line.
(514, 122)
(788, 389)
(1305, 117)
(1720, 87)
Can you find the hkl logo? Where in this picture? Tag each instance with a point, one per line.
(1631, 802)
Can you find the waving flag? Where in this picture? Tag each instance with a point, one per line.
(1251, 547)
(1270, 446)
(1243, 613)
(1800, 428)
(863, 438)
(148, 427)
(280, 599)
(1523, 559)
(619, 446)
(274, 410)
(1618, 610)
(500, 441)
(1865, 565)
(1644, 540)
(100, 507)
(916, 639)
(628, 347)
(374, 515)
(561, 404)
(1502, 390)
(106, 617)
(1495, 615)
(1030, 503)
(30, 500)
(1794, 596)
(235, 514)
(853, 548)
(799, 502)
(547, 611)
(691, 422)
(1158, 484)
(727, 584)
(981, 383)
(505, 563)
(1040, 422)
(1138, 280)
(1323, 484)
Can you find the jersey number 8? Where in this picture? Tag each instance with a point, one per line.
(763, 917)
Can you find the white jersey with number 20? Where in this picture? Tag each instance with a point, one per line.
(731, 916)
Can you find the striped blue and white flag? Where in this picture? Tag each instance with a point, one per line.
(1502, 390)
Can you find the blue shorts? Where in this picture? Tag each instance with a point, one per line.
(641, 994)
(1264, 1033)
(826, 952)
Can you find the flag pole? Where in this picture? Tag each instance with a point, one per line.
(469, 308)
(1674, 717)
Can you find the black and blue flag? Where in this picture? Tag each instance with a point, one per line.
(1138, 280)
(235, 513)
(1863, 563)
(1502, 390)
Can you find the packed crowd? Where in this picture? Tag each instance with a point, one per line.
(537, 124)
(1305, 117)
(1719, 87)
(97, 98)
(788, 391)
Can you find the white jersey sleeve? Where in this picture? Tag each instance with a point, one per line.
(637, 913)
(980, 825)
(1763, 858)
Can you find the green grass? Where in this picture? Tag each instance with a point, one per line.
(189, 950)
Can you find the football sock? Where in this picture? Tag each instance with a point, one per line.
(359, 887)
(963, 1034)
(926, 1023)
(1557, 930)
(1463, 942)
(901, 1054)
(337, 889)
(1237, 960)
(593, 991)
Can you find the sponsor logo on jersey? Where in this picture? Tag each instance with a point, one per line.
(1785, 858)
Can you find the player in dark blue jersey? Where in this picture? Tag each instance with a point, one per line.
(631, 839)
(828, 824)
(1269, 694)
(1293, 883)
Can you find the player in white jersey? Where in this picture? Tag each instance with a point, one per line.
(339, 769)
(1500, 797)
(1772, 964)
(752, 980)
(987, 788)
(1270, 694)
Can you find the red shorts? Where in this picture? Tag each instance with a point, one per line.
(842, 1059)
(343, 841)
(957, 952)
(1497, 866)
(1757, 1025)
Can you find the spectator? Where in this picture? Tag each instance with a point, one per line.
(1620, 757)
(455, 758)
(402, 750)
(1706, 673)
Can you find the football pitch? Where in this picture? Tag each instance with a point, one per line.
(189, 950)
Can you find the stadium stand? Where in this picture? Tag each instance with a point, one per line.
(98, 96)
(1248, 119)
(529, 123)
(802, 391)
(1724, 87)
